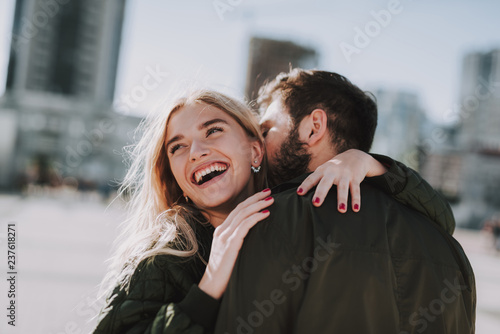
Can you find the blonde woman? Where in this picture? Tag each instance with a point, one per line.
(196, 188)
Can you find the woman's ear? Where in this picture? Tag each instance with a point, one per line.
(313, 127)
(257, 153)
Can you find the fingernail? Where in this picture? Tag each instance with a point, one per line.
(342, 206)
(265, 190)
(300, 190)
(356, 207)
(316, 200)
(265, 211)
(268, 198)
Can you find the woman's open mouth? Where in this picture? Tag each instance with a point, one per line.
(209, 172)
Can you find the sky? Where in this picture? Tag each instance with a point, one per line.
(410, 45)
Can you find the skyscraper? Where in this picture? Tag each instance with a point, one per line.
(480, 102)
(480, 133)
(400, 122)
(268, 57)
(66, 47)
(59, 93)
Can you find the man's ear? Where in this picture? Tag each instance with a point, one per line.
(313, 127)
(257, 153)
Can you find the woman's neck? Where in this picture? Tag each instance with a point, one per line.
(215, 218)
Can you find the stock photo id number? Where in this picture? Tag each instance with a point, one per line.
(11, 273)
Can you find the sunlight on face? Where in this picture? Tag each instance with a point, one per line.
(275, 125)
(210, 156)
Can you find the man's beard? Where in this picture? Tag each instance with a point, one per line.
(291, 160)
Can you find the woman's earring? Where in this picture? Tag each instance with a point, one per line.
(187, 199)
(255, 169)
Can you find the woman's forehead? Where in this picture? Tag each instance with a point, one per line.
(197, 113)
(195, 117)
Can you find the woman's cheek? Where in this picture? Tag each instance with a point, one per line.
(176, 169)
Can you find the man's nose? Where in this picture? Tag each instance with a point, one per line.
(198, 150)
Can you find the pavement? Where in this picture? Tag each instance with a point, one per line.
(63, 240)
(485, 262)
(62, 245)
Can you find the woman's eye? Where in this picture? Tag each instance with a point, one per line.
(174, 148)
(264, 132)
(213, 130)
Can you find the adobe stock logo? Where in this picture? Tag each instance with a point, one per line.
(420, 320)
(222, 6)
(30, 27)
(363, 37)
(292, 279)
(151, 81)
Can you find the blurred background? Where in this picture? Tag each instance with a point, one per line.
(77, 77)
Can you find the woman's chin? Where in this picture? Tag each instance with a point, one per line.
(221, 204)
(222, 195)
(212, 201)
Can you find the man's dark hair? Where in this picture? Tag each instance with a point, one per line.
(352, 113)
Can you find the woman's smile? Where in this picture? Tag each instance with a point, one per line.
(210, 156)
(209, 173)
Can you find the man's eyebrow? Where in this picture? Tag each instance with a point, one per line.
(176, 138)
(210, 122)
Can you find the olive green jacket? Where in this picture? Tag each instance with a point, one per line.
(387, 269)
(163, 296)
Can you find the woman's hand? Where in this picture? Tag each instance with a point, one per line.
(228, 238)
(346, 170)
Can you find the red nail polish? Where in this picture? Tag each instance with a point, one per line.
(300, 190)
(342, 206)
(265, 211)
(267, 189)
(356, 207)
(268, 198)
(316, 200)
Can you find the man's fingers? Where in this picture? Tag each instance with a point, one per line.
(324, 186)
(342, 193)
(355, 196)
(309, 183)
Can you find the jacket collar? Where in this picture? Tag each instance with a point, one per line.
(294, 183)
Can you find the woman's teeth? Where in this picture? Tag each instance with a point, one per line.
(203, 175)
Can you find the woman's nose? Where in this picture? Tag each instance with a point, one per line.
(198, 150)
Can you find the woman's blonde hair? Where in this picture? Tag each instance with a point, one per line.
(160, 220)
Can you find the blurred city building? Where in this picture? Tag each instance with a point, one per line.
(443, 161)
(268, 57)
(57, 123)
(401, 122)
(480, 135)
(463, 161)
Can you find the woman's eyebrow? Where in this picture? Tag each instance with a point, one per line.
(174, 139)
(200, 127)
(212, 121)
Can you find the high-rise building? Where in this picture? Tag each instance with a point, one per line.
(400, 122)
(442, 169)
(267, 58)
(480, 133)
(66, 47)
(59, 93)
(480, 101)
